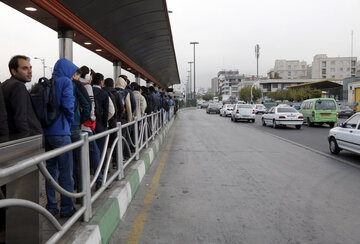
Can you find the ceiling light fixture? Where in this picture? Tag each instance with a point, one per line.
(31, 9)
(98, 50)
(87, 43)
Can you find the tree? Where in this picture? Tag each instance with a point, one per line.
(245, 94)
(208, 97)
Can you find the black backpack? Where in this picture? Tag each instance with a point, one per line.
(166, 105)
(98, 111)
(43, 96)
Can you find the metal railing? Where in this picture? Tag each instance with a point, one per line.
(137, 136)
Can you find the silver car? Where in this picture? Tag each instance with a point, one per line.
(226, 110)
(243, 112)
(346, 136)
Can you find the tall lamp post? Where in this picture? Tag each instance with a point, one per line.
(194, 43)
(190, 80)
(257, 55)
(43, 63)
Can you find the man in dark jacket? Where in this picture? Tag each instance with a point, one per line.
(130, 91)
(82, 107)
(4, 128)
(58, 135)
(22, 120)
(119, 107)
(101, 108)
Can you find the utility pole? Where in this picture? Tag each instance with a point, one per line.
(194, 43)
(190, 80)
(257, 55)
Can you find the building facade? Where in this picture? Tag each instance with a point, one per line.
(324, 67)
(272, 85)
(214, 85)
(291, 69)
(229, 81)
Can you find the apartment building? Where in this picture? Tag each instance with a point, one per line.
(291, 69)
(214, 85)
(229, 81)
(333, 68)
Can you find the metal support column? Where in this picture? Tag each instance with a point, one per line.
(66, 44)
(137, 79)
(117, 70)
(148, 83)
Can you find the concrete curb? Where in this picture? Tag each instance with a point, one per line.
(105, 221)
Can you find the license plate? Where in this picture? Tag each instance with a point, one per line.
(245, 115)
(291, 116)
(325, 114)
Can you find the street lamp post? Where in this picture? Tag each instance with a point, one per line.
(190, 80)
(43, 63)
(194, 43)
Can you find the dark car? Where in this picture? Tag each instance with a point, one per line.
(213, 108)
(345, 111)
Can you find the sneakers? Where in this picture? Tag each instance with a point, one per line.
(54, 212)
(68, 214)
(98, 185)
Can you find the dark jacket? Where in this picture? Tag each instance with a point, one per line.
(119, 107)
(82, 105)
(4, 128)
(103, 103)
(63, 71)
(132, 98)
(148, 99)
(22, 120)
(155, 102)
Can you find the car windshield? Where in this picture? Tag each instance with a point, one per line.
(325, 105)
(244, 106)
(286, 110)
(212, 105)
(344, 108)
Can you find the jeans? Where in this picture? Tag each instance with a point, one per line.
(94, 154)
(61, 169)
(75, 136)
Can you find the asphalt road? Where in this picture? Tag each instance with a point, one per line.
(312, 137)
(226, 182)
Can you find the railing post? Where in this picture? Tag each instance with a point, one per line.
(136, 138)
(119, 152)
(85, 176)
(146, 128)
(152, 125)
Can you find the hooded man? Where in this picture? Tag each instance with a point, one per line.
(58, 135)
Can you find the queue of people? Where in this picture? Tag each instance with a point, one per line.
(87, 102)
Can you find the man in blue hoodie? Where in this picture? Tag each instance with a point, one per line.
(58, 135)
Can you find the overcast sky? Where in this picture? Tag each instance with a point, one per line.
(227, 30)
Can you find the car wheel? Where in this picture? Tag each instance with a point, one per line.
(232, 119)
(263, 122)
(309, 124)
(333, 146)
(253, 121)
(274, 124)
(298, 127)
(332, 124)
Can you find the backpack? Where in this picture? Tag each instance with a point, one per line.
(123, 93)
(166, 105)
(113, 99)
(98, 111)
(43, 97)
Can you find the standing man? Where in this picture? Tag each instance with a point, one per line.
(22, 120)
(58, 135)
(4, 128)
(101, 111)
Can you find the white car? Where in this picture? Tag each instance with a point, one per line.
(243, 112)
(282, 115)
(346, 136)
(226, 110)
(259, 108)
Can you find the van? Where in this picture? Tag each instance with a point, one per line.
(320, 111)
